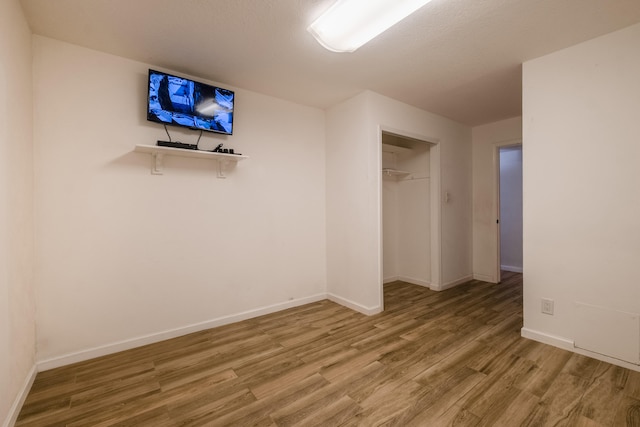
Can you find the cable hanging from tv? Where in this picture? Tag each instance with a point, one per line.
(178, 144)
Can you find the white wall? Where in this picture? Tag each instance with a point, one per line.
(511, 209)
(17, 314)
(486, 139)
(352, 163)
(581, 123)
(124, 256)
(414, 251)
(354, 266)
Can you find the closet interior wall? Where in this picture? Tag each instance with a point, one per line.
(406, 210)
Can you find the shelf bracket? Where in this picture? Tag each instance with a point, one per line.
(156, 163)
(221, 167)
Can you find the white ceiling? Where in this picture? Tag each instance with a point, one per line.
(457, 58)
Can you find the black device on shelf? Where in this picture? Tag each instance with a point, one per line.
(177, 145)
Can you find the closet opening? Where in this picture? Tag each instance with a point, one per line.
(509, 197)
(410, 210)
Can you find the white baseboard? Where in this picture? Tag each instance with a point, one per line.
(556, 341)
(415, 281)
(607, 359)
(511, 268)
(104, 350)
(484, 278)
(14, 411)
(451, 284)
(407, 279)
(567, 344)
(369, 311)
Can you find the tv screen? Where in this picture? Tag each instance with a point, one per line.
(182, 102)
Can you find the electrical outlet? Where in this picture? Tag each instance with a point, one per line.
(547, 306)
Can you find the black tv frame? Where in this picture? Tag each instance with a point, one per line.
(204, 87)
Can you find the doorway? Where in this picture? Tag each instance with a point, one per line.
(509, 209)
(410, 210)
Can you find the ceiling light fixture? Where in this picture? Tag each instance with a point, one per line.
(348, 24)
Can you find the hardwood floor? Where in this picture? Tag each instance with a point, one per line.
(431, 359)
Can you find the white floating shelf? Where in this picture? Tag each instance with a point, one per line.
(395, 172)
(158, 153)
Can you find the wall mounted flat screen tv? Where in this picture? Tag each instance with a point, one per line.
(178, 101)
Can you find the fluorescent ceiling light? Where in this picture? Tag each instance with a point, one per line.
(349, 24)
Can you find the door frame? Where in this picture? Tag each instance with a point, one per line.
(434, 200)
(496, 194)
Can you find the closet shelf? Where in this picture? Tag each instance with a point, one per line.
(395, 172)
(395, 149)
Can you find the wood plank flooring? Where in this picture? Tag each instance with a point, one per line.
(431, 359)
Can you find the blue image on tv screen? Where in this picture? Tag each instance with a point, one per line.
(178, 101)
